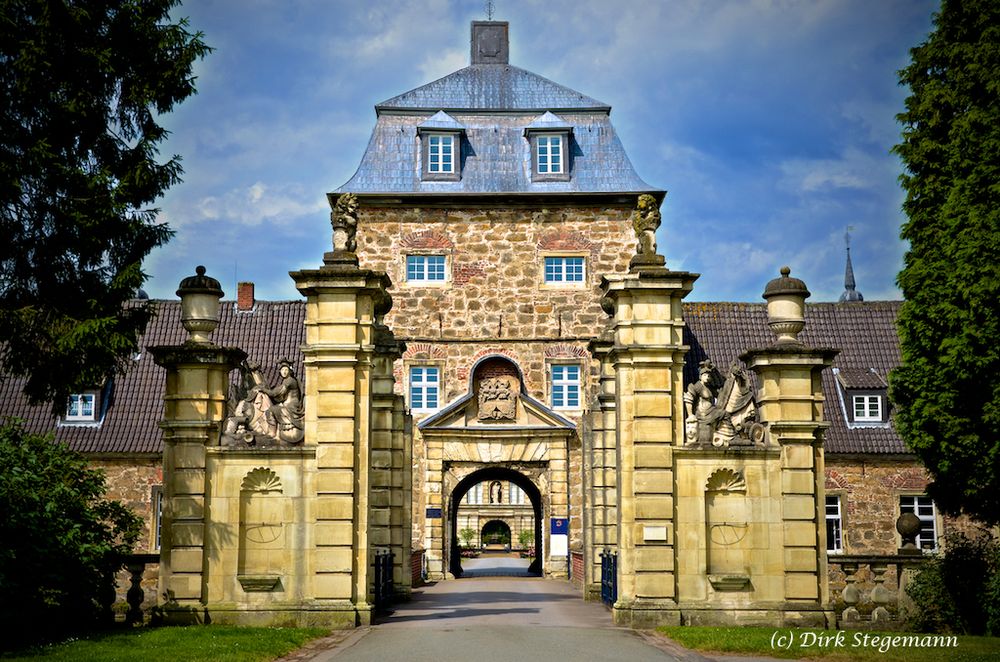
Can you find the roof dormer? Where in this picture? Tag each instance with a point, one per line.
(440, 148)
(549, 138)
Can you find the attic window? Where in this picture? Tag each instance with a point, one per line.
(868, 408)
(549, 154)
(864, 397)
(440, 153)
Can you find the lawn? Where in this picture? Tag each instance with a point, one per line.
(176, 644)
(834, 646)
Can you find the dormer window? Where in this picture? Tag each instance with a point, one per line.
(441, 148)
(549, 137)
(864, 397)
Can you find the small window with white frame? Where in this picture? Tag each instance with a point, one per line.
(426, 269)
(564, 270)
(81, 408)
(425, 388)
(867, 408)
(922, 506)
(441, 153)
(549, 154)
(565, 386)
(834, 525)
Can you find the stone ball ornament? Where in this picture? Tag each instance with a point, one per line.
(200, 296)
(908, 526)
(786, 305)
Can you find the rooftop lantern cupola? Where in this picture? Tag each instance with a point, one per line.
(490, 42)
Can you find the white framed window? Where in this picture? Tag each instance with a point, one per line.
(425, 386)
(516, 495)
(549, 155)
(922, 506)
(81, 407)
(867, 408)
(440, 153)
(834, 525)
(566, 386)
(561, 270)
(426, 269)
(475, 494)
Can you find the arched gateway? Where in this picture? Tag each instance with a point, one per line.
(495, 431)
(533, 334)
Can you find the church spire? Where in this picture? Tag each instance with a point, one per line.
(850, 294)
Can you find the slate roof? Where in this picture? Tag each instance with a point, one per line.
(273, 331)
(864, 331)
(492, 87)
(496, 158)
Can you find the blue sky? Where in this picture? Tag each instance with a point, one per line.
(769, 123)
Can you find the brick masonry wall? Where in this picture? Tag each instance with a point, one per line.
(131, 481)
(495, 300)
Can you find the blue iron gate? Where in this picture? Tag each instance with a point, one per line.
(383, 579)
(609, 577)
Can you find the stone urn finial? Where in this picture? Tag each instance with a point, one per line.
(786, 306)
(200, 296)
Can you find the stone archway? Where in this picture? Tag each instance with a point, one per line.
(460, 479)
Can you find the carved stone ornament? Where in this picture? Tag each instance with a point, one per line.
(645, 220)
(722, 413)
(344, 219)
(498, 398)
(265, 417)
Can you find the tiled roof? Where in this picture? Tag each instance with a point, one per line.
(273, 331)
(864, 331)
(861, 378)
(496, 158)
(492, 87)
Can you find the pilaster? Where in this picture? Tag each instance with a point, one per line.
(648, 361)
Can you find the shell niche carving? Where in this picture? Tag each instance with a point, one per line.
(726, 480)
(261, 479)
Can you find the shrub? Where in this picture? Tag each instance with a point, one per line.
(958, 590)
(62, 540)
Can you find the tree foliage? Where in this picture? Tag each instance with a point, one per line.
(957, 591)
(82, 86)
(62, 540)
(947, 391)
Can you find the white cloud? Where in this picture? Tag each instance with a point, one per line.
(854, 169)
(251, 206)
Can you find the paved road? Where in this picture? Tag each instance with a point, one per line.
(500, 620)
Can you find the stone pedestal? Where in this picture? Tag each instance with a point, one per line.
(790, 398)
(194, 408)
(647, 356)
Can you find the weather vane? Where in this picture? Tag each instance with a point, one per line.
(489, 10)
(847, 236)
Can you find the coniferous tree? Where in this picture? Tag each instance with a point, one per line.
(82, 86)
(947, 392)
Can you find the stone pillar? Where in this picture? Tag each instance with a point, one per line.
(343, 306)
(601, 511)
(790, 401)
(391, 473)
(648, 359)
(197, 386)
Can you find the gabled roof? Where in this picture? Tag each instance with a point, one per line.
(492, 87)
(440, 121)
(548, 122)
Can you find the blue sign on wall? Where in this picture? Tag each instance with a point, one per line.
(560, 526)
(433, 513)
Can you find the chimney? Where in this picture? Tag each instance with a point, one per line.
(490, 42)
(244, 297)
